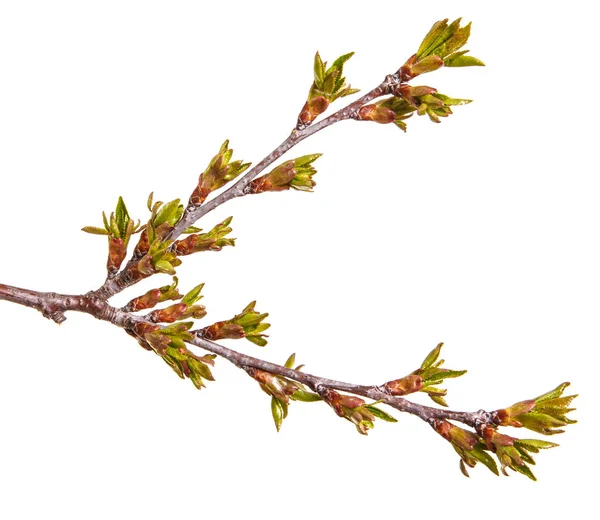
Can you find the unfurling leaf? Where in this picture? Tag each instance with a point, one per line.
(295, 173)
(440, 47)
(248, 324)
(219, 172)
(215, 240)
(544, 414)
(277, 411)
(329, 84)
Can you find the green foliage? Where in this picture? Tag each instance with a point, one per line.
(215, 240)
(425, 378)
(118, 227)
(248, 324)
(220, 171)
(444, 41)
(329, 84)
(544, 414)
(295, 173)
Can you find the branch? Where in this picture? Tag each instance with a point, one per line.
(121, 281)
(158, 251)
(54, 305)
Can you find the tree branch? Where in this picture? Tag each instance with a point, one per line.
(157, 251)
(53, 306)
(116, 283)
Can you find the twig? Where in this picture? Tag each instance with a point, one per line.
(117, 283)
(53, 306)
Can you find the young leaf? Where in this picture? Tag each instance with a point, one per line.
(380, 414)
(432, 357)
(277, 412)
(94, 230)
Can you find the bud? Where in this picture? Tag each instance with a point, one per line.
(296, 173)
(116, 254)
(459, 437)
(376, 113)
(214, 240)
(328, 85)
(143, 245)
(218, 173)
(544, 414)
(404, 386)
(223, 330)
(142, 328)
(248, 324)
(312, 109)
(169, 315)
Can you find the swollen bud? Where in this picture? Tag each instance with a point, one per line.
(312, 109)
(406, 385)
(376, 113)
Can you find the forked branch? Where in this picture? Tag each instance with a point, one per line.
(170, 234)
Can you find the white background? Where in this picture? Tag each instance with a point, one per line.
(481, 232)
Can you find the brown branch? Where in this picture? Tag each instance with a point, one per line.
(116, 283)
(54, 305)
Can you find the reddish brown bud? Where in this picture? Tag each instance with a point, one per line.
(142, 246)
(223, 330)
(376, 113)
(169, 315)
(185, 246)
(460, 437)
(406, 385)
(199, 195)
(493, 438)
(116, 254)
(276, 180)
(312, 109)
(141, 328)
(147, 301)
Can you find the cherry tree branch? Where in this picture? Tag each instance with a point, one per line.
(116, 283)
(54, 305)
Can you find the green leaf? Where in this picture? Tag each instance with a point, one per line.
(149, 201)
(166, 213)
(306, 159)
(436, 30)
(193, 296)
(94, 230)
(304, 396)
(319, 70)
(200, 368)
(339, 63)
(439, 374)
(463, 61)
(122, 217)
(257, 340)
(380, 414)
(162, 266)
(541, 423)
(524, 469)
(448, 31)
(553, 394)
(432, 357)
(191, 229)
(290, 361)
(485, 458)
(438, 399)
(537, 444)
(277, 412)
